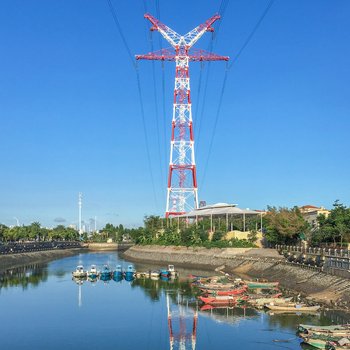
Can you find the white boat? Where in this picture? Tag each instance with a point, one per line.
(172, 271)
(79, 272)
(93, 273)
(155, 274)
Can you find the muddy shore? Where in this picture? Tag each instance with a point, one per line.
(21, 259)
(253, 263)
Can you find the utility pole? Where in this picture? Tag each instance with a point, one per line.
(182, 190)
(80, 202)
(17, 221)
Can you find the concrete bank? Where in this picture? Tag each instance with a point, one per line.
(253, 263)
(16, 260)
(107, 246)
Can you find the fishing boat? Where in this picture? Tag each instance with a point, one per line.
(271, 301)
(216, 286)
(236, 291)
(292, 307)
(105, 274)
(333, 329)
(164, 273)
(129, 273)
(341, 344)
(172, 271)
(93, 273)
(79, 272)
(154, 274)
(141, 274)
(322, 341)
(209, 279)
(223, 300)
(261, 285)
(314, 342)
(264, 295)
(118, 273)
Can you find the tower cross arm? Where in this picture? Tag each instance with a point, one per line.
(170, 35)
(192, 37)
(202, 55)
(160, 55)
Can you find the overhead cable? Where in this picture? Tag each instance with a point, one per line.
(132, 60)
(239, 53)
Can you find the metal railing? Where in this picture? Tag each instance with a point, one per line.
(27, 247)
(329, 260)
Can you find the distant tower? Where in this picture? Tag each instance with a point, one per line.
(80, 203)
(182, 191)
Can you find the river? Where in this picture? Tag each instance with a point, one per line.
(41, 307)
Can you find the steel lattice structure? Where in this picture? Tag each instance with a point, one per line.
(182, 191)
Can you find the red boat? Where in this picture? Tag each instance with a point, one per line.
(226, 292)
(223, 300)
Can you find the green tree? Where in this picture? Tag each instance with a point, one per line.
(252, 236)
(336, 226)
(2, 231)
(34, 230)
(218, 236)
(284, 225)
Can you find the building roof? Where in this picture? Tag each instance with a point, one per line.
(219, 209)
(309, 207)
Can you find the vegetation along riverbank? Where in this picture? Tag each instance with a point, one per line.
(254, 263)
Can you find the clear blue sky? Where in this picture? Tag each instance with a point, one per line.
(70, 113)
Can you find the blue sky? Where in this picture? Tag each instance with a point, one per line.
(70, 112)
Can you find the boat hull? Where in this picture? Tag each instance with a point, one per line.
(292, 308)
(223, 300)
(262, 285)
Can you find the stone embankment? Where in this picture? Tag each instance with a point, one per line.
(253, 263)
(20, 259)
(108, 246)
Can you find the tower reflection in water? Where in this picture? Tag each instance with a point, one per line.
(182, 324)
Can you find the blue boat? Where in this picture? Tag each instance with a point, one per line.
(165, 273)
(118, 273)
(92, 273)
(130, 273)
(105, 274)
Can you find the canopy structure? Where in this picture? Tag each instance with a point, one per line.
(219, 210)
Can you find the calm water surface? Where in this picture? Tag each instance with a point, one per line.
(42, 308)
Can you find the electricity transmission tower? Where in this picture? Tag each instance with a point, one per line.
(182, 191)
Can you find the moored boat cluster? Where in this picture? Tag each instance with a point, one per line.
(334, 337)
(119, 273)
(225, 291)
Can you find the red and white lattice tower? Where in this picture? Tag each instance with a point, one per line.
(182, 192)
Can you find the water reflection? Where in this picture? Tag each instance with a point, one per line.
(182, 324)
(25, 276)
(163, 313)
(225, 314)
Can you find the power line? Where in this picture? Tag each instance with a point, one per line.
(116, 21)
(240, 51)
(155, 94)
(199, 122)
(215, 125)
(250, 36)
(163, 86)
(119, 28)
